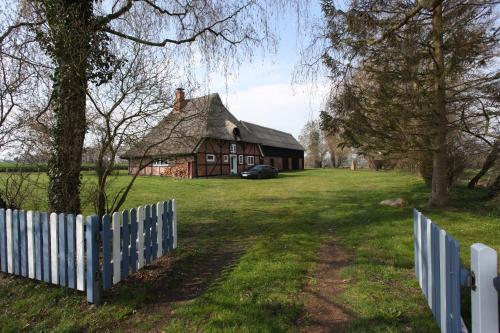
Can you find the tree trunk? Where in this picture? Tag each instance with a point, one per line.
(439, 192)
(490, 161)
(494, 188)
(69, 30)
(101, 199)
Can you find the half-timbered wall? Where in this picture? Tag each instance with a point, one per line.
(221, 166)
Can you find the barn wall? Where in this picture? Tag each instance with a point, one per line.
(276, 156)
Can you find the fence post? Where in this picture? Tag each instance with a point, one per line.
(93, 279)
(484, 297)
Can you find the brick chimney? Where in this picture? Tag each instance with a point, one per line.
(180, 100)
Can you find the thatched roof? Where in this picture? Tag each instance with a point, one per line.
(270, 137)
(204, 117)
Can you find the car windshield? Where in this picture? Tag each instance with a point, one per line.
(255, 168)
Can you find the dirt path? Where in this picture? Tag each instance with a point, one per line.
(172, 280)
(322, 311)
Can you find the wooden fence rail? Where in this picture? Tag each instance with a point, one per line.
(441, 276)
(89, 254)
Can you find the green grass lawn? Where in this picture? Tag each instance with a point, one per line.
(247, 248)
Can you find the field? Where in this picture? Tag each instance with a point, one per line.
(247, 249)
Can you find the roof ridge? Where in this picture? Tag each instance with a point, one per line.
(270, 128)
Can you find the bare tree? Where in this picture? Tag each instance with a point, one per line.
(121, 112)
(75, 35)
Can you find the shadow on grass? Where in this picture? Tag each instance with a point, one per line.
(210, 251)
(243, 259)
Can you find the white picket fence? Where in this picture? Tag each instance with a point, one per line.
(441, 276)
(89, 254)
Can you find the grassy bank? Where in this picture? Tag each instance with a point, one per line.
(246, 249)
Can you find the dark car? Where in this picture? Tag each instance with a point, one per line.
(260, 171)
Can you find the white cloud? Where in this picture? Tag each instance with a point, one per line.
(280, 106)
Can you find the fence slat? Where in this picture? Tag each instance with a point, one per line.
(443, 275)
(419, 242)
(154, 244)
(484, 298)
(37, 224)
(133, 240)
(93, 288)
(70, 238)
(416, 218)
(430, 285)
(80, 247)
(3, 242)
(30, 231)
(166, 213)
(106, 253)
(147, 234)
(37, 227)
(63, 277)
(46, 247)
(436, 273)
(455, 286)
(116, 248)
(424, 256)
(125, 244)
(54, 249)
(10, 243)
(140, 237)
(16, 258)
(170, 226)
(159, 235)
(174, 223)
(23, 246)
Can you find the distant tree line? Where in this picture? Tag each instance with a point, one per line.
(322, 149)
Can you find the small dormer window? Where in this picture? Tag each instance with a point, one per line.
(236, 133)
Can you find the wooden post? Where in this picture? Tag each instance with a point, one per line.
(484, 297)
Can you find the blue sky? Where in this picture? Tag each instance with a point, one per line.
(262, 91)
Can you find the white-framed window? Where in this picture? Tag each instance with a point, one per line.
(226, 159)
(210, 158)
(240, 159)
(232, 148)
(250, 160)
(162, 162)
